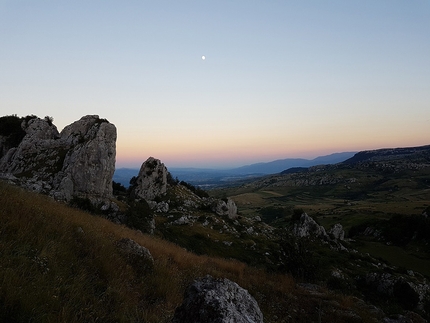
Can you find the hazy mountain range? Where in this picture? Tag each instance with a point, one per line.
(212, 177)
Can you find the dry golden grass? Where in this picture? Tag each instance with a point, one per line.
(59, 264)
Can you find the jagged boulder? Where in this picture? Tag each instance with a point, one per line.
(225, 207)
(79, 161)
(152, 180)
(337, 232)
(307, 227)
(211, 300)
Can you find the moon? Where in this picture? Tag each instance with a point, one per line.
(203, 57)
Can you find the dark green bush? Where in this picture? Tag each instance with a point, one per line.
(10, 127)
(118, 188)
(172, 181)
(84, 204)
(272, 213)
(196, 190)
(405, 295)
(401, 229)
(299, 258)
(139, 215)
(297, 213)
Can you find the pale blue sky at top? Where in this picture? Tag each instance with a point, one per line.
(281, 78)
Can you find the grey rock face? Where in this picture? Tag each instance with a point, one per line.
(308, 227)
(337, 232)
(161, 207)
(152, 180)
(79, 161)
(91, 163)
(211, 300)
(228, 208)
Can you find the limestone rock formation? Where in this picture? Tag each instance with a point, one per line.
(222, 207)
(211, 300)
(307, 226)
(79, 161)
(337, 232)
(152, 180)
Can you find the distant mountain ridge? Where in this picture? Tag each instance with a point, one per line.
(211, 177)
(390, 154)
(280, 165)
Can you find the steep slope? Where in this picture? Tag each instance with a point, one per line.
(63, 265)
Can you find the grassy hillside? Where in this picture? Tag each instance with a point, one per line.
(59, 264)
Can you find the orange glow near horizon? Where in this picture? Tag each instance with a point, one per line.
(253, 99)
(240, 145)
(235, 156)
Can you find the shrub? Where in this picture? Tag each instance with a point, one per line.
(196, 190)
(300, 259)
(405, 295)
(171, 180)
(272, 213)
(118, 188)
(297, 213)
(10, 127)
(139, 215)
(83, 204)
(401, 229)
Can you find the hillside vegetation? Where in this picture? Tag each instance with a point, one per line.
(59, 264)
(334, 243)
(381, 199)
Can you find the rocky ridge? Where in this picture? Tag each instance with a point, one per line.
(78, 162)
(174, 206)
(164, 195)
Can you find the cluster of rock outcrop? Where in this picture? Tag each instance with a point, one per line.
(307, 227)
(152, 185)
(78, 162)
(225, 207)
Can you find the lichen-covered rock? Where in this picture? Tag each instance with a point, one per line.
(152, 180)
(307, 227)
(79, 161)
(211, 300)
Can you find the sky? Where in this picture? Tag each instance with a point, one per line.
(280, 78)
